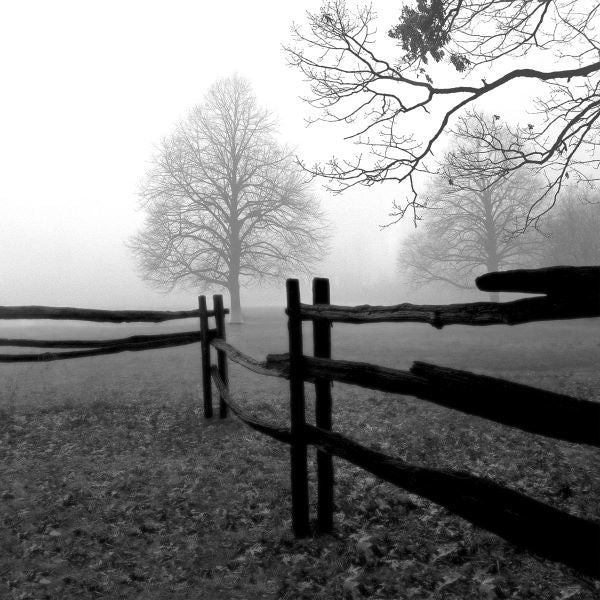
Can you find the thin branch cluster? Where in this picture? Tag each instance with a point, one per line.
(383, 97)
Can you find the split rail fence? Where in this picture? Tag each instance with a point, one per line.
(86, 348)
(568, 293)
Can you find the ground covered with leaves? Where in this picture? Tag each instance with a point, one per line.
(113, 486)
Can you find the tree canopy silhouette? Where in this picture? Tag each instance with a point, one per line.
(225, 202)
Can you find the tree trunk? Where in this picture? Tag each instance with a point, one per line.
(235, 316)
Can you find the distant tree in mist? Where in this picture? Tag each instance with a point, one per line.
(473, 220)
(573, 233)
(225, 203)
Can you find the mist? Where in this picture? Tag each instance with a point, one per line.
(89, 93)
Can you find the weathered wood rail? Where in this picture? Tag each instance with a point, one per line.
(65, 313)
(90, 348)
(570, 293)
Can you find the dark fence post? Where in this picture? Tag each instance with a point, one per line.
(322, 349)
(299, 468)
(205, 349)
(221, 356)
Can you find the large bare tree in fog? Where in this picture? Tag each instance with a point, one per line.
(452, 55)
(573, 232)
(473, 221)
(225, 203)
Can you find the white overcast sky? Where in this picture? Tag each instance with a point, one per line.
(88, 89)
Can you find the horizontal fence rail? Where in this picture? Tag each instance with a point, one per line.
(570, 293)
(134, 339)
(525, 407)
(238, 357)
(150, 342)
(517, 312)
(98, 347)
(96, 315)
(528, 523)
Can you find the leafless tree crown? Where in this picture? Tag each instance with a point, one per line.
(225, 202)
(474, 221)
(553, 44)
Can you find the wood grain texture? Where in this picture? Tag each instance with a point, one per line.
(516, 312)
(240, 358)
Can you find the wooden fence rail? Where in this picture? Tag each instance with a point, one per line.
(522, 406)
(516, 312)
(99, 347)
(99, 316)
(524, 521)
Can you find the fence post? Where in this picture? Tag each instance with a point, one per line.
(205, 360)
(299, 468)
(322, 349)
(221, 356)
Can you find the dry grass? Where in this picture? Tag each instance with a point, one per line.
(113, 486)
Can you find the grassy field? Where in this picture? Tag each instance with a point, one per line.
(113, 486)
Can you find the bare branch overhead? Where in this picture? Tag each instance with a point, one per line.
(452, 55)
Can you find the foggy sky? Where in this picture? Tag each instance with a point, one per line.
(89, 89)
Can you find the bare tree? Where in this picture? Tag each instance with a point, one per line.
(473, 221)
(446, 50)
(225, 203)
(573, 232)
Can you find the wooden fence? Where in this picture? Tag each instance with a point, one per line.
(88, 348)
(568, 293)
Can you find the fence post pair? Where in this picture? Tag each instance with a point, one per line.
(298, 449)
(206, 335)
